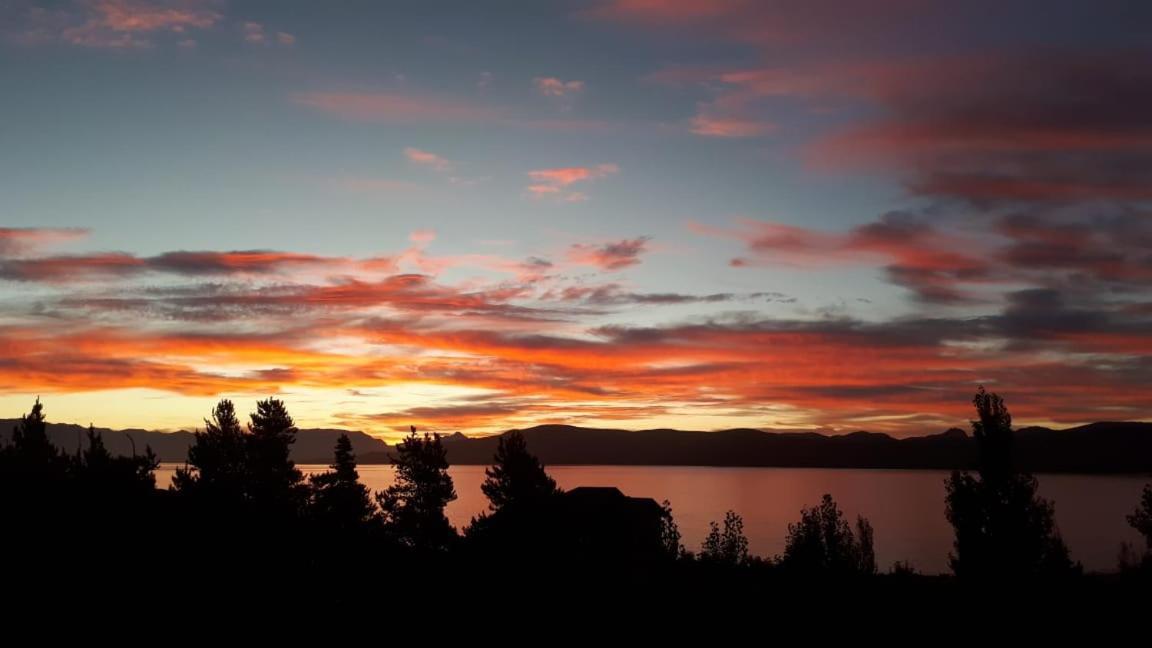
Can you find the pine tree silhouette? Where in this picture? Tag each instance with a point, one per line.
(273, 479)
(217, 460)
(413, 506)
(30, 440)
(339, 501)
(516, 477)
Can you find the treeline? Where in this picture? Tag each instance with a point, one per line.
(242, 521)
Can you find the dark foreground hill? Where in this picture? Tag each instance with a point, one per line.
(1107, 447)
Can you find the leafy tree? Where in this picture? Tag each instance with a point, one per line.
(823, 541)
(273, 478)
(413, 506)
(516, 477)
(670, 538)
(339, 500)
(1141, 520)
(1003, 529)
(727, 546)
(217, 459)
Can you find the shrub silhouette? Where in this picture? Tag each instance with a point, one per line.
(413, 506)
(823, 542)
(1003, 529)
(727, 546)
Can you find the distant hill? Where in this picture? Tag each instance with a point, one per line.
(312, 445)
(1106, 447)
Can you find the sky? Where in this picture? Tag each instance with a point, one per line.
(780, 214)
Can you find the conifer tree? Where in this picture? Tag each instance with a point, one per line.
(413, 506)
(516, 477)
(339, 501)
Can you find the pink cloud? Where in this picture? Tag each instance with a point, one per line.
(553, 87)
(424, 158)
(918, 256)
(565, 176)
(1006, 128)
(422, 236)
(730, 126)
(609, 256)
(555, 182)
(118, 23)
(23, 240)
(153, 15)
(254, 33)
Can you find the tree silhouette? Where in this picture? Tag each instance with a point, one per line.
(273, 479)
(217, 459)
(339, 501)
(30, 443)
(413, 506)
(49, 500)
(823, 542)
(670, 538)
(1003, 529)
(727, 546)
(1141, 520)
(523, 521)
(229, 464)
(516, 477)
(103, 475)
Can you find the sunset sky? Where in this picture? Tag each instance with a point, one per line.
(633, 213)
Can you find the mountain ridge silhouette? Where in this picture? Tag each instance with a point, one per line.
(1100, 447)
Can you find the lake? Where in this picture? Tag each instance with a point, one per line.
(906, 507)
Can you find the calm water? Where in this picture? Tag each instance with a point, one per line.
(906, 508)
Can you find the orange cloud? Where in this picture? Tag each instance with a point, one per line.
(537, 348)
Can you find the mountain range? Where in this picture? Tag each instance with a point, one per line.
(1104, 447)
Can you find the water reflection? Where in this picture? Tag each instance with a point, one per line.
(906, 507)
